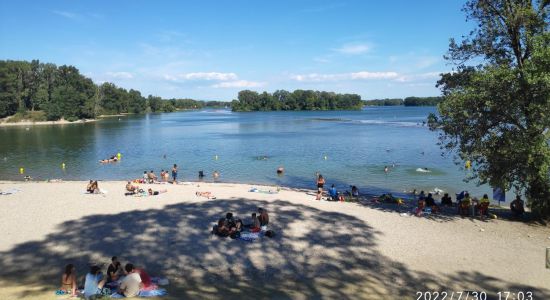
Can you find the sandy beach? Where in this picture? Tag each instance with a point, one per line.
(3, 122)
(322, 249)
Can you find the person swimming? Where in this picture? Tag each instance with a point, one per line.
(280, 170)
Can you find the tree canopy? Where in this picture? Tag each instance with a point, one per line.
(409, 101)
(297, 100)
(496, 108)
(62, 92)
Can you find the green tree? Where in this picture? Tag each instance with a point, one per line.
(497, 113)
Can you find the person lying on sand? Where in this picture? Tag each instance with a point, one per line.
(68, 280)
(155, 193)
(207, 195)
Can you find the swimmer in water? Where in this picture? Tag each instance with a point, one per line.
(216, 175)
(386, 169)
(280, 170)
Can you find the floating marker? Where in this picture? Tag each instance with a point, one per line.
(216, 157)
(62, 165)
(21, 170)
(118, 155)
(326, 157)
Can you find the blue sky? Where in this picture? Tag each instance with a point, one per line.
(213, 49)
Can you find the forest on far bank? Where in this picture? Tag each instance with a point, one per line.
(409, 101)
(46, 92)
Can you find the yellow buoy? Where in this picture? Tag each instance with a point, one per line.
(118, 155)
(21, 170)
(62, 165)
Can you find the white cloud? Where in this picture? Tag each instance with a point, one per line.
(120, 75)
(353, 49)
(202, 76)
(66, 14)
(238, 84)
(363, 75)
(417, 77)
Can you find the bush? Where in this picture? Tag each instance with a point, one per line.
(71, 119)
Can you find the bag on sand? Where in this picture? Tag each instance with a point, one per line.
(270, 233)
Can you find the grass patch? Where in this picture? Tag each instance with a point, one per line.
(33, 116)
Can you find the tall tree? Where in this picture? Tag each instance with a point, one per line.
(497, 113)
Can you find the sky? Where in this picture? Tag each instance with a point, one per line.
(210, 50)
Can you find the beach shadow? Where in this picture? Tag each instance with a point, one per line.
(315, 254)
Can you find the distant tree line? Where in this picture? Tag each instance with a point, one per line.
(44, 91)
(409, 101)
(297, 100)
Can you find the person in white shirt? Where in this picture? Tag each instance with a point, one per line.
(131, 284)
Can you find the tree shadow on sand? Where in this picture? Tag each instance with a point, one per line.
(315, 254)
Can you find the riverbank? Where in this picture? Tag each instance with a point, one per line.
(321, 249)
(4, 122)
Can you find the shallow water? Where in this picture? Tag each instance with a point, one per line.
(347, 147)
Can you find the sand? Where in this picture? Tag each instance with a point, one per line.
(4, 123)
(322, 249)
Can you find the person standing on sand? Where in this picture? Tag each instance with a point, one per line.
(320, 182)
(175, 173)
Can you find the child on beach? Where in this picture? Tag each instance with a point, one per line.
(255, 225)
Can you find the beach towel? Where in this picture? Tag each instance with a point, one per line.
(145, 294)
(10, 191)
(249, 236)
(255, 190)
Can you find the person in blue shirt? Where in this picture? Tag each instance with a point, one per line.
(94, 282)
(333, 193)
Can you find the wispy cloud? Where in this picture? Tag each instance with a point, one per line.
(418, 76)
(239, 84)
(202, 76)
(120, 75)
(66, 14)
(353, 49)
(363, 75)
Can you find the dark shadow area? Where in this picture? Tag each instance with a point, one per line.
(315, 254)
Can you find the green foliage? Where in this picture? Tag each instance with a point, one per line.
(422, 101)
(33, 116)
(497, 113)
(297, 100)
(384, 102)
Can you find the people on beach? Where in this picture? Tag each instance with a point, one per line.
(483, 206)
(517, 207)
(68, 280)
(207, 195)
(175, 173)
(93, 187)
(131, 284)
(333, 193)
(263, 217)
(465, 204)
(145, 177)
(255, 224)
(319, 195)
(430, 202)
(155, 193)
(151, 177)
(114, 271)
(201, 174)
(446, 200)
(320, 182)
(130, 188)
(94, 282)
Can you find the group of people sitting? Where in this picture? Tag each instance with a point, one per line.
(232, 227)
(333, 194)
(127, 281)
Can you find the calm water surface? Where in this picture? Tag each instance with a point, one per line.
(347, 147)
